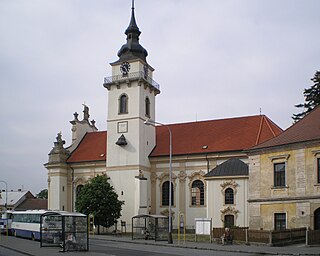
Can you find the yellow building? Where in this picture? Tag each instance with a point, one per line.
(284, 178)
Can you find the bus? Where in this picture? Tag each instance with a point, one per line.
(5, 222)
(27, 223)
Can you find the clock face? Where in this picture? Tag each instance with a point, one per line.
(125, 67)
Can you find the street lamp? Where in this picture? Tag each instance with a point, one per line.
(6, 205)
(150, 122)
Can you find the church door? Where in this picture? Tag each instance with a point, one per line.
(317, 219)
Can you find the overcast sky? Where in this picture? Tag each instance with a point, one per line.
(212, 59)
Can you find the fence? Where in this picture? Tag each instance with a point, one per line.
(272, 237)
(313, 237)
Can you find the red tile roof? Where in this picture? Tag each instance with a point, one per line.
(232, 134)
(222, 135)
(33, 204)
(91, 148)
(307, 129)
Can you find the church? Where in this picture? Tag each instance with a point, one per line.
(208, 159)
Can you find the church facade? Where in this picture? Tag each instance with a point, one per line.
(209, 161)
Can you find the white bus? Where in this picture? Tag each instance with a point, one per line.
(27, 223)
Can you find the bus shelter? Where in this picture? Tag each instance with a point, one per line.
(153, 227)
(68, 230)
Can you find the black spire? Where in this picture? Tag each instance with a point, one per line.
(132, 28)
(132, 49)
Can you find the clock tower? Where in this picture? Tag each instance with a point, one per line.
(131, 101)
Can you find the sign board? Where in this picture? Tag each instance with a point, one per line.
(203, 226)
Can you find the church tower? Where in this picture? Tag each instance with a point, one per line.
(131, 101)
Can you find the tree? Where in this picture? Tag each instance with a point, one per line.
(312, 98)
(99, 199)
(43, 194)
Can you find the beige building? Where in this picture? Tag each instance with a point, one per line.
(284, 183)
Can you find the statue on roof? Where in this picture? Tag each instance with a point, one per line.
(85, 112)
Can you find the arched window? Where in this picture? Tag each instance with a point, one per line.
(228, 221)
(147, 107)
(197, 193)
(228, 196)
(78, 189)
(123, 104)
(165, 194)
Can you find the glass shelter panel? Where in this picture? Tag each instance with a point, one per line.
(150, 227)
(64, 229)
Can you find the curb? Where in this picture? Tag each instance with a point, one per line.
(196, 247)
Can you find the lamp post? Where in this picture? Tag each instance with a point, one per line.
(6, 205)
(150, 122)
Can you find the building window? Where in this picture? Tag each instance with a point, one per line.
(147, 107)
(197, 193)
(123, 104)
(228, 221)
(279, 175)
(280, 221)
(229, 196)
(78, 189)
(165, 194)
(318, 169)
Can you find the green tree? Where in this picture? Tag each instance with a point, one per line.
(43, 194)
(99, 198)
(312, 98)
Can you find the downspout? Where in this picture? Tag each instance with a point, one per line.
(207, 162)
(205, 147)
(72, 189)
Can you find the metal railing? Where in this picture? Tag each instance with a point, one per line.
(131, 76)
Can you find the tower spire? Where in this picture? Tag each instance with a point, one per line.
(133, 27)
(132, 49)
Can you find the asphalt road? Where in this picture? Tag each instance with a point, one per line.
(21, 247)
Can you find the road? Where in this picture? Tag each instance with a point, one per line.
(18, 247)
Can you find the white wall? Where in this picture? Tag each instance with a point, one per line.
(215, 201)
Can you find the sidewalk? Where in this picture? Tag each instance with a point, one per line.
(299, 249)
(30, 248)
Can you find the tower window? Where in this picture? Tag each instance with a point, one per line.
(147, 107)
(123, 104)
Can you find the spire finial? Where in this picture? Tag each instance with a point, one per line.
(132, 49)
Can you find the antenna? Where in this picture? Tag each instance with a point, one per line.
(132, 5)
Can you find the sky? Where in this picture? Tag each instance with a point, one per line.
(213, 59)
